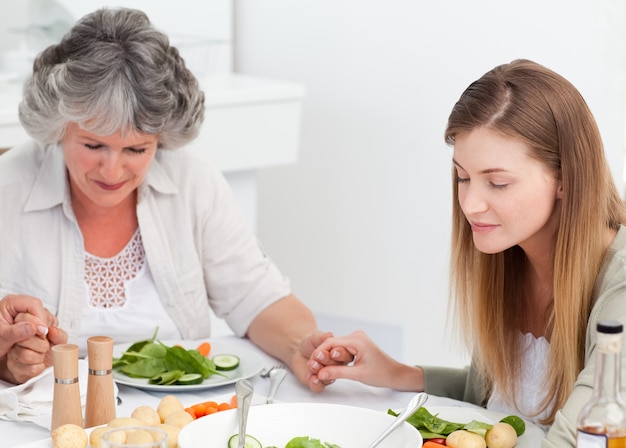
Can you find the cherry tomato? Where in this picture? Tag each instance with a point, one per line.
(433, 443)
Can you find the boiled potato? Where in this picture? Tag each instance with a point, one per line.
(116, 436)
(139, 437)
(118, 422)
(95, 438)
(168, 405)
(465, 439)
(172, 434)
(148, 415)
(178, 418)
(69, 436)
(501, 435)
(168, 400)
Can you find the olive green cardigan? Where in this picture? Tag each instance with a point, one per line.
(610, 303)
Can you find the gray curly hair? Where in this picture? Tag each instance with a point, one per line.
(113, 72)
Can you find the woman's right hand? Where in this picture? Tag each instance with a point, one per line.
(370, 364)
(27, 332)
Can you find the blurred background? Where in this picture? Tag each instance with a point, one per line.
(360, 219)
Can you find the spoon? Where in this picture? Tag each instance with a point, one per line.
(416, 402)
(276, 377)
(244, 391)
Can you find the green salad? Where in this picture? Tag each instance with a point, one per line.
(296, 442)
(163, 364)
(431, 426)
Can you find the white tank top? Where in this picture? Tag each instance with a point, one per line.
(531, 389)
(122, 301)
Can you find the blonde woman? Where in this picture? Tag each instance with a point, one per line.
(538, 255)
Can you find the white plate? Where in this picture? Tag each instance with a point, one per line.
(530, 439)
(276, 424)
(250, 364)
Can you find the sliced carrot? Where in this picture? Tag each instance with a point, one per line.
(204, 348)
(210, 407)
(212, 404)
(429, 444)
(197, 410)
(201, 408)
(224, 406)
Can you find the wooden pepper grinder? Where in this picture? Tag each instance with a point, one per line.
(66, 407)
(100, 406)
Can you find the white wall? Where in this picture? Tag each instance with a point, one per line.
(361, 224)
(204, 38)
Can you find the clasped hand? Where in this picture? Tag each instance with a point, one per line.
(354, 357)
(27, 333)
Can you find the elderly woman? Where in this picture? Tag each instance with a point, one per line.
(112, 225)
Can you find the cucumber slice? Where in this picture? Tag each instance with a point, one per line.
(190, 378)
(250, 442)
(226, 362)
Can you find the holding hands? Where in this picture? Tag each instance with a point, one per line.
(307, 349)
(357, 357)
(27, 332)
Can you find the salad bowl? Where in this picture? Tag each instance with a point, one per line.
(277, 424)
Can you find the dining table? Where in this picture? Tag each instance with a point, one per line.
(342, 391)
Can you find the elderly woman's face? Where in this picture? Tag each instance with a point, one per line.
(105, 170)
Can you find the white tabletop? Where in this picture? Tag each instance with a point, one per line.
(341, 392)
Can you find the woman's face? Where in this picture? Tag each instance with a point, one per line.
(105, 170)
(508, 197)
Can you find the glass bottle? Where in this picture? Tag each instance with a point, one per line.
(602, 421)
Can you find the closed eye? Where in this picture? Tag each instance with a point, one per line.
(462, 180)
(97, 146)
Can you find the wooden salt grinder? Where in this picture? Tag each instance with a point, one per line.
(66, 407)
(100, 406)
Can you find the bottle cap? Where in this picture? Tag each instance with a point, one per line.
(65, 362)
(100, 353)
(610, 327)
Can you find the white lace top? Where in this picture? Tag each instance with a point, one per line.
(531, 389)
(122, 299)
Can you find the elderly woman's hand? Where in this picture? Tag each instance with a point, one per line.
(27, 331)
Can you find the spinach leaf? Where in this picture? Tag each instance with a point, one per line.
(431, 426)
(127, 357)
(162, 364)
(207, 366)
(166, 378)
(307, 442)
(144, 368)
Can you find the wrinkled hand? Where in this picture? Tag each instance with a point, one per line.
(27, 332)
(354, 357)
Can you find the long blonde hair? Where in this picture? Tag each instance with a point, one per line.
(527, 101)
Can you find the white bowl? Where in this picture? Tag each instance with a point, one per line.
(276, 424)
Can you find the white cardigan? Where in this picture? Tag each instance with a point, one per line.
(197, 244)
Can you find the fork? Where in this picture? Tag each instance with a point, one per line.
(277, 375)
(265, 373)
